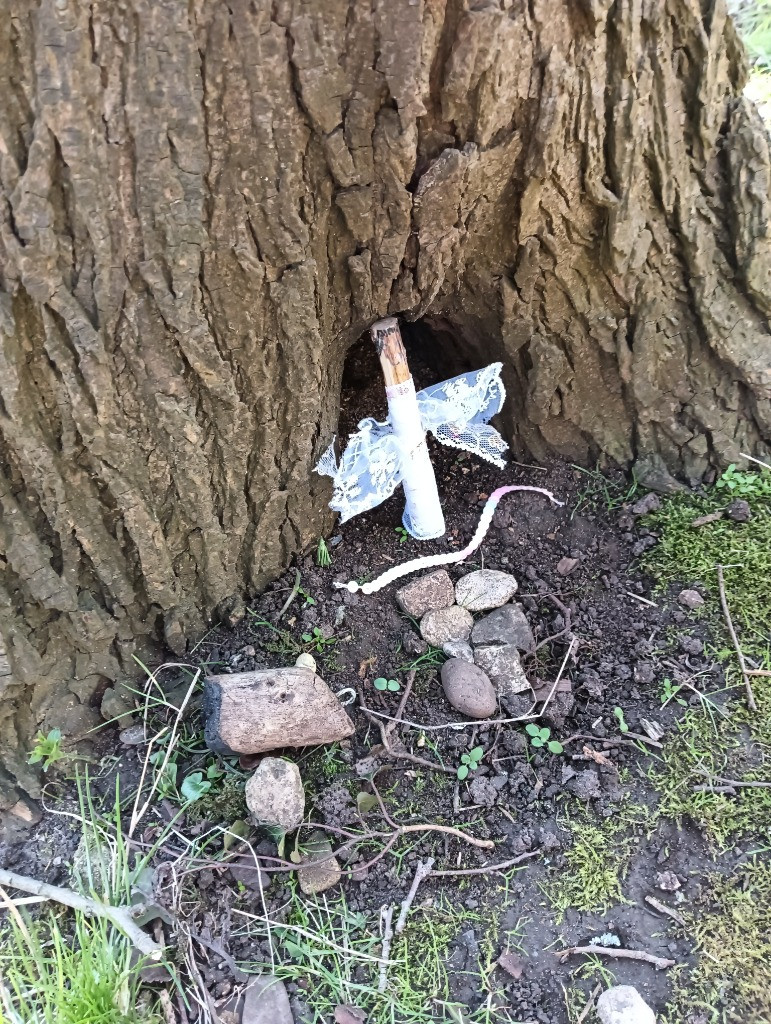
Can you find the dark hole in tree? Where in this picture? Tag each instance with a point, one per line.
(435, 353)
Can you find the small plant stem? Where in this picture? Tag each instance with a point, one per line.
(119, 916)
(664, 909)
(621, 954)
(423, 870)
(729, 622)
(292, 595)
(488, 869)
(386, 916)
(485, 844)
(589, 1004)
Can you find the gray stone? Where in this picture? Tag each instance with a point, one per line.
(266, 1002)
(243, 869)
(459, 649)
(445, 624)
(503, 666)
(566, 565)
(648, 503)
(319, 870)
(623, 1004)
(275, 795)
(117, 706)
(667, 881)
(585, 785)
(133, 736)
(468, 689)
(690, 599)
(426, 594)
(485, 589)
(507, 625)
(739, 510)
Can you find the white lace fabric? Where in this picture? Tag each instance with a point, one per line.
(456, 412)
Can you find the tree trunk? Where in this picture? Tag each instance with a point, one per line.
(203, 205)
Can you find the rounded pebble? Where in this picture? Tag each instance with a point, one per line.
(468, 689)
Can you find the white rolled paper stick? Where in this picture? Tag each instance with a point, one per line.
(422, 513)
(429, 561)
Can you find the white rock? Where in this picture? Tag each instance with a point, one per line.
(459, 649)
(503, 666)
(623, 1004)
(306, 661)
(445, 624)
(275, 795)
(485, 589)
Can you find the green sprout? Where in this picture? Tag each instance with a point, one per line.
(402, 534)
(47, 749)
(670, 692)
(381, 683)
(470, 762)
(323, 557)
(317, 640)
(539, 737)
(621, 720)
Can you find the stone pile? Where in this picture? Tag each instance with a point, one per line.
(484, 667)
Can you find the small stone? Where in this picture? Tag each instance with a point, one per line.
(459, 649)
(623, 1004)
(266, 1002)
(667, 881)
(426, 594)
(275, 795)
(648, 503)
(314, 876)
(306, 661)
(117, 706)
(690, 599)
(445, 624)
(248, 651)
(243, 869)
(504, 668)
(507, 625)
(134, 736)
(468, 689)
(691, 645)
(739, 510)
(485, 589)
(566, 565)
(585, 785)
(414, 644)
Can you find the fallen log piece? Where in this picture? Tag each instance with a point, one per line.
(251, 712)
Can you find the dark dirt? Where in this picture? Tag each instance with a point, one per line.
(618, 662)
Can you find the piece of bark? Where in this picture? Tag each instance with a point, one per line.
(251, 712)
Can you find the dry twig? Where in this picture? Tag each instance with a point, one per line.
(386, 916)
(121, 917)
(664, 909)
(621, 954)
(488, 869)
(585, 1012)
(423, 870)
(729, 622)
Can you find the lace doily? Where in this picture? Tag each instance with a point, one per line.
(456, 412)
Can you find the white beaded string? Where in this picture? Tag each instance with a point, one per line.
(429, 561)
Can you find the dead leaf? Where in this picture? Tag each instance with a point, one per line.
(349, 1015)
(512, 964)
(238, 830)
(566, 565)
(365, 802)
(597, 757)
(703, 520)
(368, 663)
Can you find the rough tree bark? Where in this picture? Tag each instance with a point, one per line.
(203, 205)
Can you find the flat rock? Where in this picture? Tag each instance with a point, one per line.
(275, 795)
(250, 712)
(623, 1004)
(426, 594)
(266, 1002)
(507, 625)
(485, 589)
(690, 599)
(566, 565)
(504, 668)
(739, 510)
(468, 689)
(439, 627)
(314, 876)
(459, 649)
(648, 503)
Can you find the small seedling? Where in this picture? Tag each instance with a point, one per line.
(47, 749)
(381, 683)
(401, 533)
(317, 640)
(749, 485)
(323, 557)
(470, 762)
(670, 692)
(307, 599)
(539, 737)
(621, 720)
(197, 785)
(167, 781)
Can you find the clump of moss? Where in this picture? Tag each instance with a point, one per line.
(690, 554)
(709, 748)
(223, 804)
(731, 930)
(596, 865)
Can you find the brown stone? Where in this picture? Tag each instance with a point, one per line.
(425, 594)
(250, 712)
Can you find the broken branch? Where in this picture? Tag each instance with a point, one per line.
(729, 622)
(423, 870)
(658, 962)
